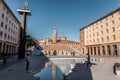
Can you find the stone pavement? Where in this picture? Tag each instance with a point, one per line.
(80, 72)
(11, 60)
(98, 71)
(104, 70)
(18, 70)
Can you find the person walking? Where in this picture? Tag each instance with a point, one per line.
(27, 61)
(88, 62)
(4, 59)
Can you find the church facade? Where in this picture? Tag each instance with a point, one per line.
(59, 47)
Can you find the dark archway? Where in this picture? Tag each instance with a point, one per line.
(54, 53)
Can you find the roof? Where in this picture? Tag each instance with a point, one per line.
(101, 18)
(66, 41)
(59, 47)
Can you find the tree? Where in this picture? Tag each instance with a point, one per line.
(31, 41)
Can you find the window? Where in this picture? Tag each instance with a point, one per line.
(113, 29)
(9, 22)
(112, 22)
(90, 35)
(8, 37)
(102, 26)
(1, 24)
(102, 32)
(5, 35)
(106, 24)
(90, 41)
(102, 39)
(16, 27)
(93, 40)
(96, 28)
(2, 16)
(114, 37)
(107, 31)
(1, 33)
(11, 38)
(107, 38)
(97, 34)
(98, 40)
(119, 19)
(5, 27)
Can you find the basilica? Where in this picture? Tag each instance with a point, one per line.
(59, 47)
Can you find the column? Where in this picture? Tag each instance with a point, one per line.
(93, 50)
(111, 50)
(89, 50)
(96, 50)
(10, 50)
(106, 50)
(101, 51)
(86, 50)
(0, 48)
(5, 48)
(118, 49)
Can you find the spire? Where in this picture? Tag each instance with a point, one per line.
(54, 28)
(26, 4)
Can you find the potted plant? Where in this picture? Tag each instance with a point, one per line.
(117, 68)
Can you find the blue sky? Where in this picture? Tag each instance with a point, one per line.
(68, 16)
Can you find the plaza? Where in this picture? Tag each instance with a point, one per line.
(100, 70)
(27, 43)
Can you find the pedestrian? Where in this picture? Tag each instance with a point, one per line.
(27, 61)
(4, 59)
(88, 62)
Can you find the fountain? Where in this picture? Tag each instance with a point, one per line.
(57, 68)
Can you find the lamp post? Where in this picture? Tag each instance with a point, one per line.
(24, 12)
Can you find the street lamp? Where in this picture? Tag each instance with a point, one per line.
(24, 12)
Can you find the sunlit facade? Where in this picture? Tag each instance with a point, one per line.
(102, 37)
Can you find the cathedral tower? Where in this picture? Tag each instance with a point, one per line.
(54, 36)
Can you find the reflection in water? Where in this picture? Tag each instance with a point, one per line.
(50, 72)
(56, 70)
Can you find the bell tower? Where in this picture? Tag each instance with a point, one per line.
(54, 36)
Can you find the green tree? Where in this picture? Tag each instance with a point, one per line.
(30, 41)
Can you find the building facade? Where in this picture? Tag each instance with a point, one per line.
(102, 37)
(9, 30)
(59, 47)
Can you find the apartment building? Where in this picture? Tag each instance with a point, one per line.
(9, 30)
(102, 37)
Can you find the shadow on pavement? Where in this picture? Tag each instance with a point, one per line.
(80, 72)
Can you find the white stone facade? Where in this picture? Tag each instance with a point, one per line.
(9, 30)
(102, 37)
